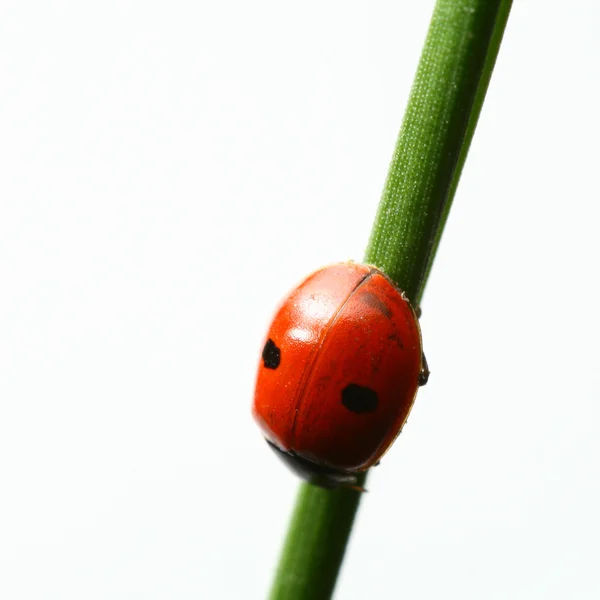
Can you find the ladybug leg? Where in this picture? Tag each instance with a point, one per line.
(424, 374)
(356, 488)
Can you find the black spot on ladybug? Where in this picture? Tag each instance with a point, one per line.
(271, 355)
(374, 301)
(359, 399)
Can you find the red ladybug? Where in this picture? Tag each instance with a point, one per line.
(339, 373)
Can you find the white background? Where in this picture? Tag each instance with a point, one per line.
(168, 171)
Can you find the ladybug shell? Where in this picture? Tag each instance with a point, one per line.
(340, 368)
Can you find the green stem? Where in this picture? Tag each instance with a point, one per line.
(452, 77)
(484, 82)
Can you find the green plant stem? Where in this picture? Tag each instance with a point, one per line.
(482, 88)
(452, 77)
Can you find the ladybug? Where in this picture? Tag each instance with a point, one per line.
(339, 372)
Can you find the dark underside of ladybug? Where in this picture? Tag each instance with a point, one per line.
(312, 472)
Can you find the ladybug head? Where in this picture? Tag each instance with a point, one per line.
(311, 472)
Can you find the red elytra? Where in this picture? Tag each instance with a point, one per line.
(340, 368)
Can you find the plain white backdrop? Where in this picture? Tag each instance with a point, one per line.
(168, 171)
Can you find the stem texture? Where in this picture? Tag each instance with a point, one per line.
(449, 88)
